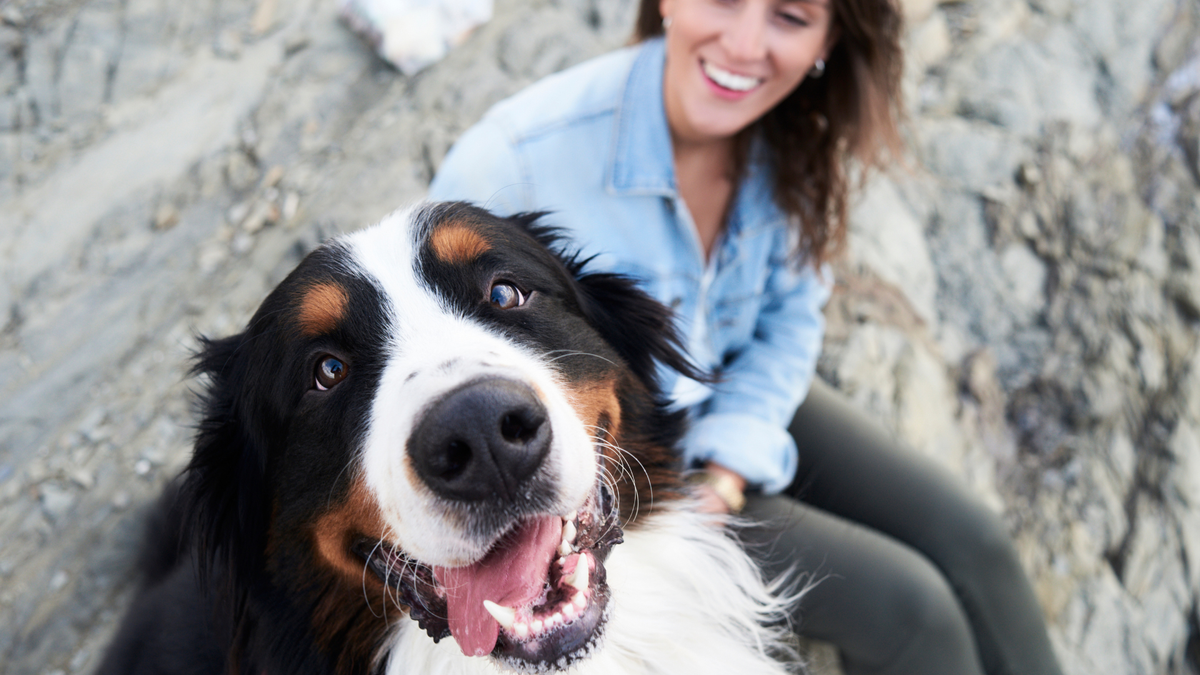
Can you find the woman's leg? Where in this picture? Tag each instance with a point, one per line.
(885, 607)
(850, 468)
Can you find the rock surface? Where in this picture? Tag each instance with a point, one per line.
(1021, 303)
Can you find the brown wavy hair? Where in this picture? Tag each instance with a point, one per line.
(852, 112)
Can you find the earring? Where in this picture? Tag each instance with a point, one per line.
(818, 69)
(666, 22)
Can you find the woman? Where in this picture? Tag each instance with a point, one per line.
(709, 161)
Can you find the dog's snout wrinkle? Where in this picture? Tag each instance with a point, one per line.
(483, 441)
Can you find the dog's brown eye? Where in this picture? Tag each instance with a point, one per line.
(330, 371)
(506, 296)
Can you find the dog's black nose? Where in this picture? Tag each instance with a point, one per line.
(482, 441)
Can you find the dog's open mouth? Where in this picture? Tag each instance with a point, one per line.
(537, 600)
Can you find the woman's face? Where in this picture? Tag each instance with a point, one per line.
(730, 61)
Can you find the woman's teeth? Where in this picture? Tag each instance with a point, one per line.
(729, 80)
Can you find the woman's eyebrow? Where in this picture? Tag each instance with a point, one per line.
(819, 3)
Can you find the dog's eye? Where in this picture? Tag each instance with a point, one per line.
(330, 371)
(506, 296)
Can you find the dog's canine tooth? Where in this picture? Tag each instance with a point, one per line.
(564, 549)
(505, 616)
(569, 533)
(580, 578)
(571, 517)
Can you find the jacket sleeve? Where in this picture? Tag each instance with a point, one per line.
(484, 167)
(743, 425)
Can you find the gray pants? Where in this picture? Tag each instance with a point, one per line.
(917, 576)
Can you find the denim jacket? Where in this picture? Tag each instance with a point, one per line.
(591, 145)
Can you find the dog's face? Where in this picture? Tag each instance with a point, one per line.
(444, 413)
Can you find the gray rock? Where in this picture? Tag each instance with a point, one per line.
(972, 155)
(1023, 309)
(56, 502)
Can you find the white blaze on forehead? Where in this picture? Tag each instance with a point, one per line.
(430, 350)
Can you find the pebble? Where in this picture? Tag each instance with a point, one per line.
(56, 502)
(80, 660)
(83, 478)
(59, 580)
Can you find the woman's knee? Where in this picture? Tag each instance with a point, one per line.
(924, 630)
(974, 544)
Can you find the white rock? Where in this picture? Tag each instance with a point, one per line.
(881, 227)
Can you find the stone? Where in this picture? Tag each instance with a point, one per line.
(916, 11)
(881, 223)
(930, 42)
(1027, 280)
(971, 154)
(56, 501)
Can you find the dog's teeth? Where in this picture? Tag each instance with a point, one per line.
(571, 517)
(568, 611)
(569, 532)
(522, 630)
(580, 600)
(536, 626)
(580, 578)
(505, 616)
(564, 549)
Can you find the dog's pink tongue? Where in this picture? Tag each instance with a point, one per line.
(511, 575)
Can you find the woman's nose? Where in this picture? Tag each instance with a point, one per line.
(745, 38)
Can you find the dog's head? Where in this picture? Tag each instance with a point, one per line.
(442, 415)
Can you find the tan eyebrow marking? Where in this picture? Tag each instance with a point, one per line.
(457, 243)
(322, 308)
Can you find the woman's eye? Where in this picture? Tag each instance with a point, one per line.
(793, 19)
(330, 371)
(506, 296)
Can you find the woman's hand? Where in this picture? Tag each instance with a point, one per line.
(720, 490)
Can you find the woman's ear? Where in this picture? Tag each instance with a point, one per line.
(666, 8)
(831, 40)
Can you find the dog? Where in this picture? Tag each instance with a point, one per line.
(440, 446)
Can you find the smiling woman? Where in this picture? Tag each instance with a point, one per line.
(710, 161)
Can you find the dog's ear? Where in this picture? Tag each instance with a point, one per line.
(227, 516)
(640, 328)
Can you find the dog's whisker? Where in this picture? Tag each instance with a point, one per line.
(622, 460)
(366, 570)
(564, 353)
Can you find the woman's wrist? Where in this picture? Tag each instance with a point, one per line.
(726, 484)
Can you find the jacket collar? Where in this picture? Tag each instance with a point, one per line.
(642, 161)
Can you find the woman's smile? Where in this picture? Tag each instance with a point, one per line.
(727, 83)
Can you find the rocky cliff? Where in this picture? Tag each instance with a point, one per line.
(1020, 302)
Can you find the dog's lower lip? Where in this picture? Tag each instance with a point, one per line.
(572, 613)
